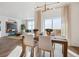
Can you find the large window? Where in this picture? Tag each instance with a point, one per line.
(56, 23)
(52, 20)
(30, 25)
(48, 23)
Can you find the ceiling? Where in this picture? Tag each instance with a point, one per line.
(19, 9)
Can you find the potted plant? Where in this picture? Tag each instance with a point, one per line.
(22, 28)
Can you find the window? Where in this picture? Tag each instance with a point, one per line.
(54, 23)
(48, 23)
(52, 20)
(30, 25)
(57, 23)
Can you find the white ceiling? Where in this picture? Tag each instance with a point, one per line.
(18, 9)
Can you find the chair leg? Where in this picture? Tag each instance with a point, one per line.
(23, 51)
(54, 46)
(32, 52)
(44, 53)
(39, 51)
(50, 53)
(53, 49)
(36, 52)
(53, 53)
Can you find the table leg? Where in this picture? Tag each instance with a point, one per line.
(23, 48)
(23, 51)
(65, 47)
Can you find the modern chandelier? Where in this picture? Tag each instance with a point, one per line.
(45, 6)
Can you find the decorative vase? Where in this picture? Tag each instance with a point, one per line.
(48, 31)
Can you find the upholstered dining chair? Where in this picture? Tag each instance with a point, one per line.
(45, 44)
(29, 41)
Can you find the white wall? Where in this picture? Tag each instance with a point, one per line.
(74, 7)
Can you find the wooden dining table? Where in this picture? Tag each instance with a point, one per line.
(54, 39)
(62, 41)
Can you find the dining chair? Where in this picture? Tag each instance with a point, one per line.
(29, 41)
(45, 44)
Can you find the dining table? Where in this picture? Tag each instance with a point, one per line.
(54, 39)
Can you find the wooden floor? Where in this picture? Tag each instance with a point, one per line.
(7, 45)
(11, 47)
(74, 49)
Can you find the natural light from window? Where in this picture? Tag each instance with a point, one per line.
(57, 23)
(54, 23)
(30, 24)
